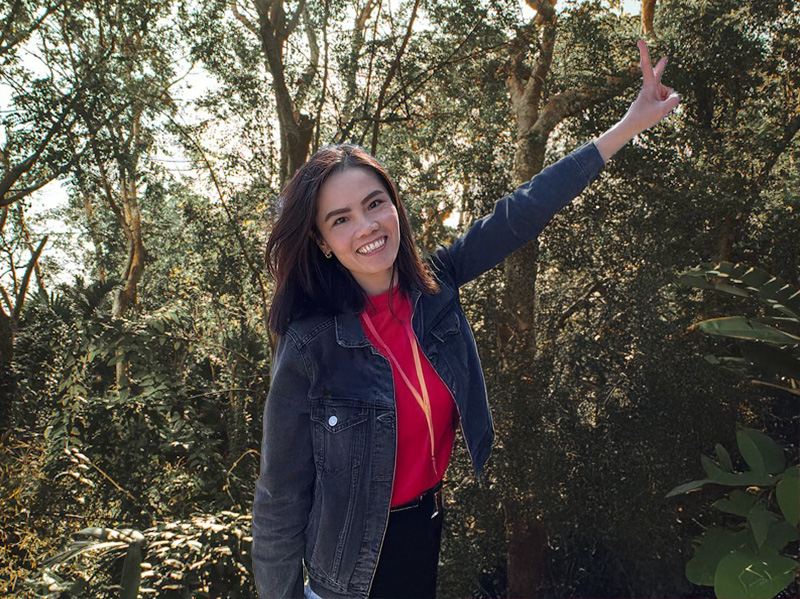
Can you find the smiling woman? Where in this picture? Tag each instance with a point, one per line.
(342, 236)
(376, 366)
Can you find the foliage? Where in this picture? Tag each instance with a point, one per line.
(749, 558)
(770, 347)
(207, 555)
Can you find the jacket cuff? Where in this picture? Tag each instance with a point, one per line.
(589, 160)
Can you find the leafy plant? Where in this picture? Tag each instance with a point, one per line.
(207, 555)
(770, 345)
(749, 557)
(110, 546)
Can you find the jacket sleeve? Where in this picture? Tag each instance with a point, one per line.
(519, 218)
(285, 485)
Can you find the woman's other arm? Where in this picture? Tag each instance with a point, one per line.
(654, 102)
(285, 484)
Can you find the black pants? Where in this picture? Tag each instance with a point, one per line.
(410, 553)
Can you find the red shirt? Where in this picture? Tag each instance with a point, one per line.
(420, 464)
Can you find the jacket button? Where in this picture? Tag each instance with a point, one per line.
(332, 421)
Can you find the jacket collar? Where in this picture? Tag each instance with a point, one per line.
(350, 333)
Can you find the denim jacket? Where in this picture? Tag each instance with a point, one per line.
(328, 453)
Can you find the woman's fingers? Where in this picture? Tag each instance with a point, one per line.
(659, 70)
(644, 60)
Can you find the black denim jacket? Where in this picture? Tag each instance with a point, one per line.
(328, 451)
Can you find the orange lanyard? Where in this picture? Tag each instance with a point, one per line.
(423, 400)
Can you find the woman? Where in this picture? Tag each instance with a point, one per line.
(376, 365)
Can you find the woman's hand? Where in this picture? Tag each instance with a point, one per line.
(654, 102)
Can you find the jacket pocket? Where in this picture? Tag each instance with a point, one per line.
(447, 326)
(340, 432)
(447, 350)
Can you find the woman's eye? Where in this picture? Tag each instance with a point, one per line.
(375, 203)
(338, 221)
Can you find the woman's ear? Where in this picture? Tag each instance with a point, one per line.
(324, 248)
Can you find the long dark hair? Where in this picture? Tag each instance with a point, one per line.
(307, 282)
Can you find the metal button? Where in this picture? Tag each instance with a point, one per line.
(333, 420)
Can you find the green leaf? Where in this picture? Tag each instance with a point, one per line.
(713, 471)
(698, 279)
(738, 502)
(78, 586)
(780, 534)
(742, 479)
(742, 575)
(132, 571)
(711, 547)
(724, 458)
(736, 365)
(750, 452)
(760, 519)
(754, 278)
(686, 487)
(739, 327)
(788, 495)
(771, 452)
(735, 479)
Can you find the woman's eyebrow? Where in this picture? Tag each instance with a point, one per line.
(338, 211)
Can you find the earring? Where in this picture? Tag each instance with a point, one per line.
(328, 254)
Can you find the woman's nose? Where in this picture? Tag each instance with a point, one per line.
(367, 226)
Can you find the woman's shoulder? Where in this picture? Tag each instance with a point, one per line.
(305, 329)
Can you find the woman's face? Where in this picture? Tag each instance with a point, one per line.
(357, 221)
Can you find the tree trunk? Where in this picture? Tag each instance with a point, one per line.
(648, 14)
(296, 128)
(7, 383)
(537, 117)
(525, 537)
(527, 543)
(8, 327)
(125, 298)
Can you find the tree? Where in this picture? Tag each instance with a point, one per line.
(11, 304)
(45, 105)
(135, 87)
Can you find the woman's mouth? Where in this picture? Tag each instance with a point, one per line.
(372, 247)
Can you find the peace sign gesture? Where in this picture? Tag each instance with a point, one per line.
(654, 102)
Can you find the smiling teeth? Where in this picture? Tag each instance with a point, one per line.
(371, 247)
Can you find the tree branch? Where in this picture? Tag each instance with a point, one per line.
(7, 40)
(390, 75)
(294, 20)
(26, 279)
(13, 174)
(307, 77)
(248, 24)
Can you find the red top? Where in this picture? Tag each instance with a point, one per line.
(422, 406)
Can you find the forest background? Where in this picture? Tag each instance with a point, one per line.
(134, 354)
